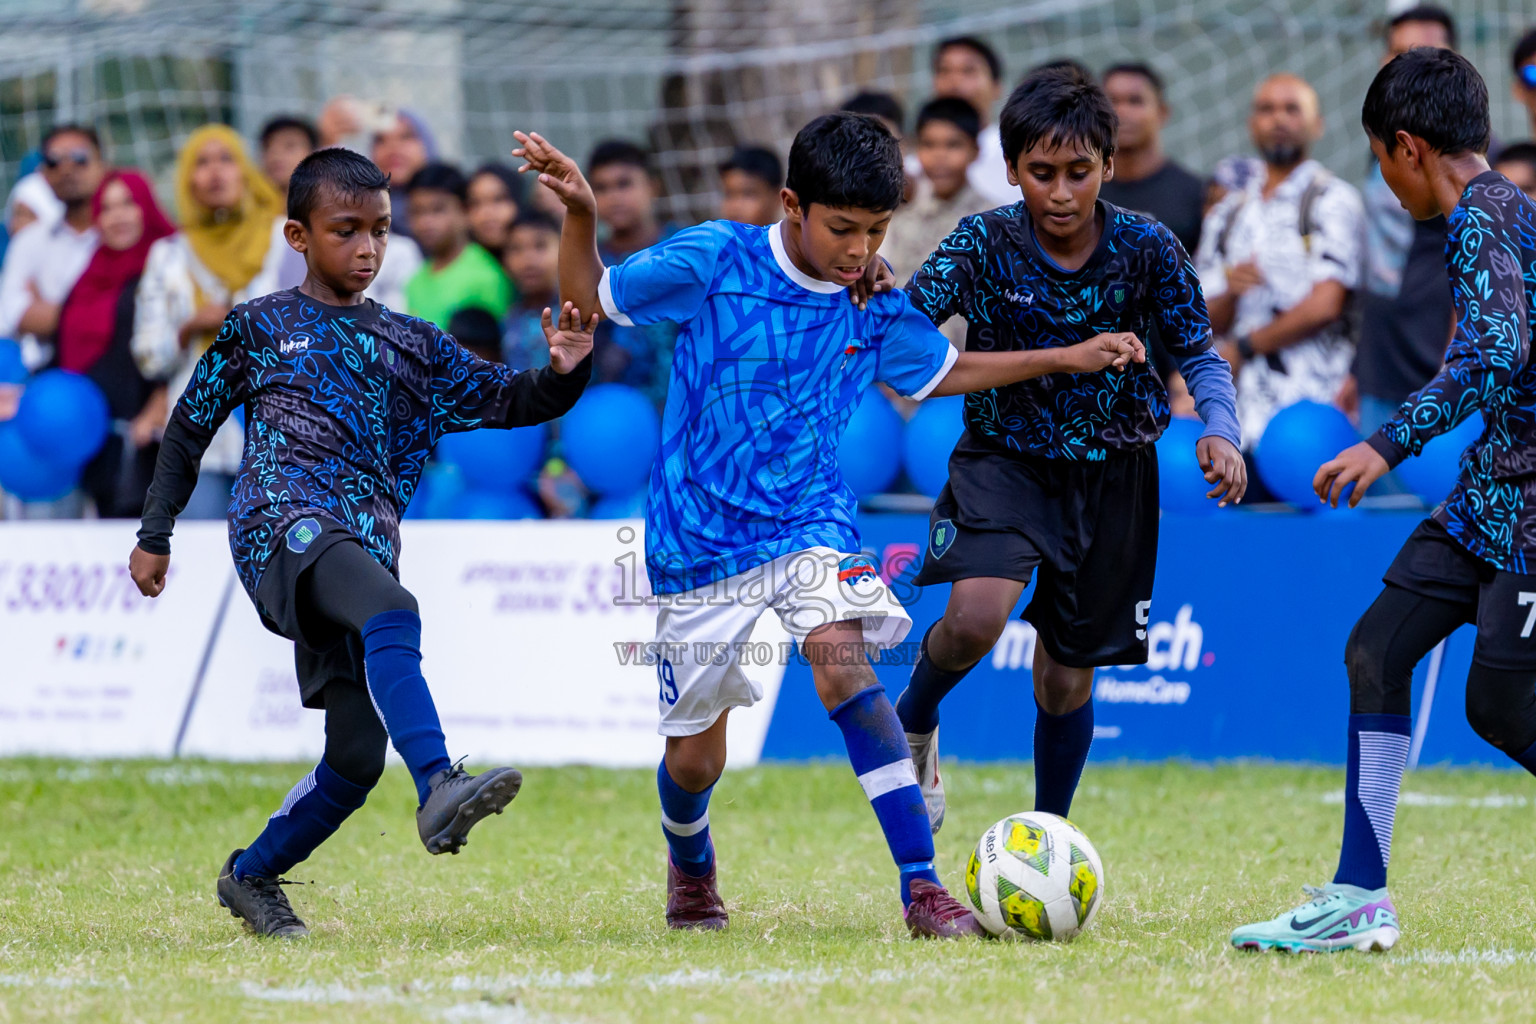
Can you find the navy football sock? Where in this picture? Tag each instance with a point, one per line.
(392, 656)
(918, 705)
(1061, 750)
(312, 811)
(878, 751)
(1378, 754)
(685, 823)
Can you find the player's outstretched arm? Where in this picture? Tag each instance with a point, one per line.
(581, 268)
(979, 371)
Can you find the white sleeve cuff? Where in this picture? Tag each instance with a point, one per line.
(950, 355)
(605, 299)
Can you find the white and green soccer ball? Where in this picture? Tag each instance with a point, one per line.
(1035, 875)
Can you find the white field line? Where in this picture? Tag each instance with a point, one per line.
(1410, 798)
(1466, 957)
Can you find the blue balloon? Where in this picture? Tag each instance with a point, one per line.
(27, 475)
(12, 369)
(1299, 439)
(63, 417)
(495, 460)
(478, 504)
(1180, 478)
(869, 455)
(611, 438)
(620, 506)
(930, 437)
(1433, 472)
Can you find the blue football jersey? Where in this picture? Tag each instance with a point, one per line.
(770, 364)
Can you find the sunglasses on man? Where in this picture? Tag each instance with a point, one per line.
(78, 157)
(1528, 75)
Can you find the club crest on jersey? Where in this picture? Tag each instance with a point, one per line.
(1115, 296)
(855, 569)
(302, 534)
(942, 539)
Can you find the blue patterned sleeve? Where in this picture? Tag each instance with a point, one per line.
(1492, 339)
(1184, 326)
(667, 282)
(468, 392)
(221, 380)
(913, 355)
(945, 284)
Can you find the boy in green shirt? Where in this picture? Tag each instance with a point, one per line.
(457, 272)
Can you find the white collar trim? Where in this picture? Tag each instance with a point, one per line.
(794, 273)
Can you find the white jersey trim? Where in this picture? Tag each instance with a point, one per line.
(781, 257)
(605, 299)
(949, 362)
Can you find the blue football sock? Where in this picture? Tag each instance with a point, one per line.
(1061, 750)
(312, 811)
(1378, 754)
(877, 748)
(392, 656)
(1527, 760)
(918, 705)
(685, 823)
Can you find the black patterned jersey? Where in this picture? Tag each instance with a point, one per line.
(992, 271)
(343, 406)
(1491, 255)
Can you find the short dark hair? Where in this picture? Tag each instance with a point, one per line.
(758, 162)
(531, 217)
(1434, 94)
(1518, 152)
(1059, 104)
(849, 160)
(977, 46)
(1146, 71)
(506, 175)
(1525, 49)
(85, 131)
(439, 177)
(289, 123)
(876, 104)
(1427, 13)
(342, 171)
(1061, 64)
(953, 111)
(617, 152)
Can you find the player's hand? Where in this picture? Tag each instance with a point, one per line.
(148, 571)
(1359, 464)
(556, 171)
(1103, 351)
(878, 277)
(1244, 277)
(570, 341)
(1224, 467)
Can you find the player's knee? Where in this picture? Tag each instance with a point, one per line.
(1365, 660)
(1501, 707)
(968, 636)
(837, 682)
(695, 770)
(358, 759)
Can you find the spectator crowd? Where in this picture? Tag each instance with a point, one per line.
(1317, 290)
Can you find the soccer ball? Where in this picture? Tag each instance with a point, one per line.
(1035, 875)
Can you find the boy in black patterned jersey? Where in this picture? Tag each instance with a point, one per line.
(1474, 559)
(344, 400)
(1059, 473)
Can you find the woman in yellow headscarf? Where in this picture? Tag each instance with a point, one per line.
(225, 253)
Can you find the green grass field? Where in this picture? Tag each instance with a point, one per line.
(553, 912)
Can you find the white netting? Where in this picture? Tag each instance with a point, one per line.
(688, 77)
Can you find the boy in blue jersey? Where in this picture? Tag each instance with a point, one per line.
(1474, 559)
(746, 509)
(1058, 474)
(344, 400)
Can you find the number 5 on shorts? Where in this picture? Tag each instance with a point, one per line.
(667, 683)
(1528, 598)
